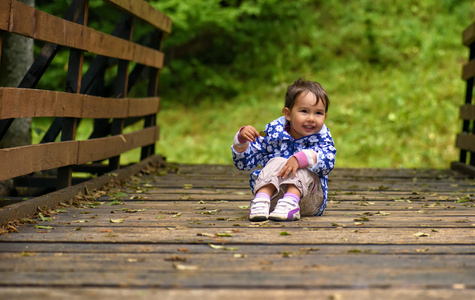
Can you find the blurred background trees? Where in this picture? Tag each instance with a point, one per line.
(391, 68)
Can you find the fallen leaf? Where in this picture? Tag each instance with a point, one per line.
(286, 254)
(116, 220)
(43, 227)
(12, 228)
(182, 267)
(120, 195)
(43, 218)
(205, 234)
(115, 202)
(421, 234)
(209, 212)
(81, 221)
(284, 233)
(422, 250)
(218, 247)
(225, 234)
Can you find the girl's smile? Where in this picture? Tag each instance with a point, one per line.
(307, 116)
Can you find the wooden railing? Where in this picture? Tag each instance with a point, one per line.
(466, 139)
(85, 96)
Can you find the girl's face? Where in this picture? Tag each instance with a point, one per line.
(306, 116)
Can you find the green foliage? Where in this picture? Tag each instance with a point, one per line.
(392, 71)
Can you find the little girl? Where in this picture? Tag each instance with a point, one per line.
(296, 152)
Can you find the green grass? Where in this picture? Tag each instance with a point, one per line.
(392, 72)
(387, 118)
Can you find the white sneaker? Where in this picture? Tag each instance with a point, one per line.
(285, 210)
(259, 210)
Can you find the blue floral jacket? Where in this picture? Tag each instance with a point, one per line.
(279, 143)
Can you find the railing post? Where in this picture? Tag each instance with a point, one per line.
(466, 123)
(73, 85)
(121, 88)
(150, 121)
(4, 124)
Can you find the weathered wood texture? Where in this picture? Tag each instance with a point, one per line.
(386, 234)
(107, 141)
(23, 103)
(465, 140)
(22, 19)
(54, 155)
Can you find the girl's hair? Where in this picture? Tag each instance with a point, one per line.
(305, 86)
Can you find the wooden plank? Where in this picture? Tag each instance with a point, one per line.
(39, 25)
(146, 12)
(36, 158)
(108, 45)
(111, 46)
(22, 103)
(301, 279)
(28, 208)
(99, 149)
(100, 107)
(22, 19)
(468, 35)
(158, 235)
(52, 29)
(467, 112)
(468, 70)
(220, 262)
(213, 293)
(141, 138)
(466, 142)
(13, 248)
(464, 168)
(5, 7)
(148, 56)
(102, 148)
(125, 233)
(224, 219)
(143, 106)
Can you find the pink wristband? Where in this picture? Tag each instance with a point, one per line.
(302, 159)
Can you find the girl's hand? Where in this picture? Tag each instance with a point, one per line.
(291, 166)
(249, 133)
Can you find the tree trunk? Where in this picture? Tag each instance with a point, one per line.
(16, 58)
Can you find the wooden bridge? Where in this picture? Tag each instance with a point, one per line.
(181, 232)
(170, 231)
